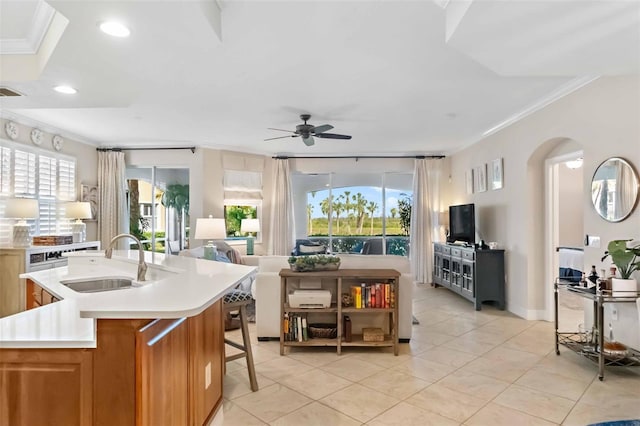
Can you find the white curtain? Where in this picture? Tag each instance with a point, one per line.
(424, 217)
(112, 201)
(282, 231)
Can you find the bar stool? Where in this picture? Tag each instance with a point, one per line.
(237, 300)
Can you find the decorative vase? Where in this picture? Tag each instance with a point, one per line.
(624, 287)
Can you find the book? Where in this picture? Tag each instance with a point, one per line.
(299, 328)
(347, 328)
(285, 326)
(305, 329)
(363, 295)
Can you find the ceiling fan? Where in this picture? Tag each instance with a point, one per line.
(308, 131)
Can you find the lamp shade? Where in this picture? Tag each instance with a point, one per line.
(21, 208)
(210, 229)
(249, 225)
(78, 210)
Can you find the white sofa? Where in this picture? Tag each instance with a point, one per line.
(267, 290)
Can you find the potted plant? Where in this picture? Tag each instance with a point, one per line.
(625, 258)
(314, 263)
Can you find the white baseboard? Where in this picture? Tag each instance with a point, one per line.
(530, 314)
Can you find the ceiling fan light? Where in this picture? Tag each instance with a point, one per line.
(115, 29)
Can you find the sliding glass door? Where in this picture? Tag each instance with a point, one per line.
(158, 200)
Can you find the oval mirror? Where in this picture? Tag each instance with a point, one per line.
(614, 189)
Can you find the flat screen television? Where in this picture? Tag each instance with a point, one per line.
(462, 223)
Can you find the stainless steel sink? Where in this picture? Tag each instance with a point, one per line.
(97, 284)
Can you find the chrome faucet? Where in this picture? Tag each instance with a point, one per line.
(142, 266)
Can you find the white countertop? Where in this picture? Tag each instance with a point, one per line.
(176, 287)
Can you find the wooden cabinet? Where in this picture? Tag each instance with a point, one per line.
(36, 296)
(46, 387)
(476, 275)
(162, 385)
(142, 372)
(339, 282)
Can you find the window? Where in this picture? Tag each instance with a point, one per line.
(357, 213)
(242, 200)
(33, 173)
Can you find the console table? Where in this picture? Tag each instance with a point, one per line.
(476, 275)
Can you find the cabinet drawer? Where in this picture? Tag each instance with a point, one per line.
(446, 249)
(468, 255)
(456, 252)
(37, 294)
(437, 248)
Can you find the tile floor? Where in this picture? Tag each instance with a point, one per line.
(462, 367)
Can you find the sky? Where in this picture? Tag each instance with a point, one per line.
(368, 192)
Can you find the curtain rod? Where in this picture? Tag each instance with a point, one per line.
(191, 148)
(357, 157)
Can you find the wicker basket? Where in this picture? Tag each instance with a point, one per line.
(323, 331)
(316, 267)
(372, 334)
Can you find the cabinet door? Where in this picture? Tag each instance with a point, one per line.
(206, 340)
(162, 367)
(11, 293)
(467, 277)
(46, 387)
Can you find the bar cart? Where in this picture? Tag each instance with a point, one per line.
(591, 348)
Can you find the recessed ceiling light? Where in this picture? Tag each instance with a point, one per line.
(67, 90)
(115, 29)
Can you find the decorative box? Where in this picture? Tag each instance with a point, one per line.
(372, 334)
(52, 240)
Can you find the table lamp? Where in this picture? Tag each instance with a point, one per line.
(248, 226)
(22, 209)
(210, 229)
(78, 210)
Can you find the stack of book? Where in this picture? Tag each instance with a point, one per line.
(374, 295)
(295, 328)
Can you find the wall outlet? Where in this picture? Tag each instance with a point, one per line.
(614, 314)
(207, 376)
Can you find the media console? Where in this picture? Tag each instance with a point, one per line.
(475, 274)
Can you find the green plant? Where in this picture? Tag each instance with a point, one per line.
(308, 263)
(624, 257)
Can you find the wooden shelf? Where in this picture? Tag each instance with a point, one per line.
(343, 279)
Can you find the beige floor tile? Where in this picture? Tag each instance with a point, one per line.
(395, 383)
(470, 345)
(446, 402)
(535, 342)
(508, 371)
(236, 383)
(502, 354)
(549, 407)
(281, 367)
(315, 383)
(272, 402)
(556, 384)
(352, 368)
(315, 414)
(404, 414)
(473, 384)
(424, 369)
(359, 402)
(454, 326)
(234, 415)
(431, 337)
(448, 356)
(569, 364)
(497, 415)
(617, 390)
(583, 414)
(386, 359)
(316, 357)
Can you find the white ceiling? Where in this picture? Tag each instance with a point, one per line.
(401, 77)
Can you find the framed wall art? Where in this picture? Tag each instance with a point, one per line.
(496, 174)
(90, 193)
(480, 178)
(468, 180)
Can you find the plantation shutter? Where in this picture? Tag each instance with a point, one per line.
(5, 191)
(24, 171)
(47, 189)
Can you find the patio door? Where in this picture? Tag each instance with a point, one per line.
(158, 199)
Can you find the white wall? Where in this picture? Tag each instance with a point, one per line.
(603, 119)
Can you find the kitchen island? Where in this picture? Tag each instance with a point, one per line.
(151, 354)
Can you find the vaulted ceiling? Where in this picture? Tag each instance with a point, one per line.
(401, 77)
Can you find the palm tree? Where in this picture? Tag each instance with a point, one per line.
(347, 208)
(309, 212)
(176, 196)
(394, 212)
(371, 208)
(360, 206)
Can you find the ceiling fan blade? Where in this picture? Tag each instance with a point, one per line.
(323, 128)
(282, 137)
(308, 141)
(281, 130)
(332, 136)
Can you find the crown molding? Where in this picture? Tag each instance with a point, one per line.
(26, 121)
(42, 17)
